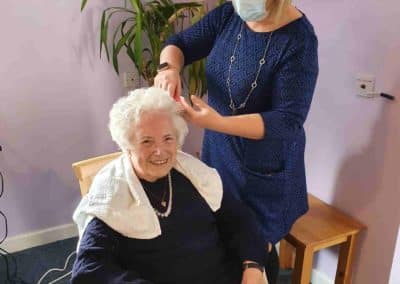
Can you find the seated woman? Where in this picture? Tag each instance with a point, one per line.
(158, 215)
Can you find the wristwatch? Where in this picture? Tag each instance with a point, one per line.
(252, 265)
(163, 66)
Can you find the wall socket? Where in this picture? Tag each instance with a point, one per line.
(130, 80)
(365, 84)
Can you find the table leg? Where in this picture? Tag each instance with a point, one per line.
(346, 253)
(286, 252)
(303, 265)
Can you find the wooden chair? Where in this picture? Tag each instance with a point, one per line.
(86, 170)
(323, 226)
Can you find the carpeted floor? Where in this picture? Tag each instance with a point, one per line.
(33, 263)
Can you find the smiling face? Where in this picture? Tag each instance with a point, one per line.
(155, 146)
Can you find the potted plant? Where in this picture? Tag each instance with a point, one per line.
(141, 31)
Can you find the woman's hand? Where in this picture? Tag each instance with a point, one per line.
(169, 80)
(201, 114)
(253, 276)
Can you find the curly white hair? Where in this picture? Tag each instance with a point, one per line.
(127, 110)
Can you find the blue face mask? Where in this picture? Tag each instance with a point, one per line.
(250, 10)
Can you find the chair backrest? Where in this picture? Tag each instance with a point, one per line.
(86, 170)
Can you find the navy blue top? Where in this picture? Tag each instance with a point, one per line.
(267, 174)
(196, 245)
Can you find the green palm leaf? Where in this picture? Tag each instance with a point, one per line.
(121, 42)
(83, 4)
(142, 29)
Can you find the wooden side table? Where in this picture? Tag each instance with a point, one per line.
(321, 227)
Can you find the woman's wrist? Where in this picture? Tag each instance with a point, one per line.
(164, 66)
(252, 264)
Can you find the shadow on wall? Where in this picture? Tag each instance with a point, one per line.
(366, 188)
(35, 195)
(86, 46)
(194, 140)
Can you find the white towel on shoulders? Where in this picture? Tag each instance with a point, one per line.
(116, 196)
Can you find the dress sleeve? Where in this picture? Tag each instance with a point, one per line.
(240, 230)
(197, 41)
(96, 259)
(292, 92)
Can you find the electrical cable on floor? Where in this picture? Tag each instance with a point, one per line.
(61, 277)
(58, 269)
(13, 278)
(10, 277)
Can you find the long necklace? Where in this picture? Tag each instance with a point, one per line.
(163, 202)
(168, 211)
(261, 63)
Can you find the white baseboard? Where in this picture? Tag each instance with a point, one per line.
(40, 237)
(318, 277)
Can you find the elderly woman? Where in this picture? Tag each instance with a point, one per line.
(158, 215)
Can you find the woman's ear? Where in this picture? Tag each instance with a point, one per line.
(129, 152)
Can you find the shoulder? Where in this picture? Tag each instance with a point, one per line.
(193, 166)
(224, 10)
(298, 40)
(301, 32)
(204, 178)
(108, 179)
(112, 170)
(98, 227)
(98, 233)
(220, 15)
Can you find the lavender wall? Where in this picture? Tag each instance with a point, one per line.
(353, 149)
(55, 97)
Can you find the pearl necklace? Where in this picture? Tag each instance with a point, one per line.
(168, 211)
(162, 202)
(261, 63)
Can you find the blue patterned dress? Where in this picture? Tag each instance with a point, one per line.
(267, 174)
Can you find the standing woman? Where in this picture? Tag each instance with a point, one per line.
(262, 68)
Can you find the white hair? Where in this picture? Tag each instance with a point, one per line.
(126, 112)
